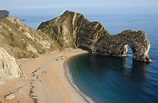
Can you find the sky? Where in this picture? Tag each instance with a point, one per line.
(85, 6)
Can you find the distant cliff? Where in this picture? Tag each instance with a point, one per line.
(3, 14)
(72, 29)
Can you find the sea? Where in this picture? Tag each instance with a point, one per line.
(105, 79)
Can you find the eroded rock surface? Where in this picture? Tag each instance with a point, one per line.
(116, 45)
(8, 67)
(74, 30)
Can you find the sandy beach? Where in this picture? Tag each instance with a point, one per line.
(46, 81)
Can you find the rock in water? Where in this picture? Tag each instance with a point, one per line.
(8, 67)
(116, 45)
(3, 14)
(74, 30)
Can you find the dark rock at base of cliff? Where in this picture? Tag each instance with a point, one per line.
(74, 30)
(3, 14)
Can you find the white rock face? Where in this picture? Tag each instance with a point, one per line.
(8, 67)
(31, 48)
(45, 44)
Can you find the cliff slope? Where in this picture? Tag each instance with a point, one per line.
(22, 41)
(74, 30)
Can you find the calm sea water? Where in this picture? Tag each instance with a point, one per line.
(112, 79)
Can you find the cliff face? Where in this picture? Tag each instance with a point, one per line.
(8, 67)
(74, 30)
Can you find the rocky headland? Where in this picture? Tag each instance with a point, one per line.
(74, 30)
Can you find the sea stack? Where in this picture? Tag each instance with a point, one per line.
(74, 30)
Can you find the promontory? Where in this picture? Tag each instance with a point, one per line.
(73, 30)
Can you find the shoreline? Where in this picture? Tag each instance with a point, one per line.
(46, 81)
(70, 80)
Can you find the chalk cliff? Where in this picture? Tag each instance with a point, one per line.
(8, 67)
(74, 30)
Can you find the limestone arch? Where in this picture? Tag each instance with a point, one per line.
(139, 44)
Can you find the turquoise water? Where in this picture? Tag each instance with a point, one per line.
(112, 79)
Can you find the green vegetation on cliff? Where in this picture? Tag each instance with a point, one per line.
(22, 41)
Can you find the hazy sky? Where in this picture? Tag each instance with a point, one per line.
(88, 6)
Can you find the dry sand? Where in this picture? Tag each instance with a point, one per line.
(46, 81)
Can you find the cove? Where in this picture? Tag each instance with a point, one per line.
(108, 79)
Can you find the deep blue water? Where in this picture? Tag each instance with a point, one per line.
(112, 79)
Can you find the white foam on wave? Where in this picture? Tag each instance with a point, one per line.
(72, 82)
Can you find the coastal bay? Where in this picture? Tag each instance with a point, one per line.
(46, 81)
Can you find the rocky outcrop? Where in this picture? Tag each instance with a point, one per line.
(116, 45)
(74, 30)
(8, 67)
(3, 14)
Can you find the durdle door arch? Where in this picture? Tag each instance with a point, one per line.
(117, 45)
(77, 31)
